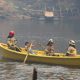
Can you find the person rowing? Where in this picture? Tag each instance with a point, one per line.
(28, 47)
(11, 42)
(50, 48)
(72, 51)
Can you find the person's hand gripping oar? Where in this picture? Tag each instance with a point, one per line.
(28, 47)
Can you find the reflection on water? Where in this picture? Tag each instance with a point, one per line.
(19, 71)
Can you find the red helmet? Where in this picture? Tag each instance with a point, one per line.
(11, 33)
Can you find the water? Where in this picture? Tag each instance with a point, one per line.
(60, 31)
(38, 30)
(19, 71)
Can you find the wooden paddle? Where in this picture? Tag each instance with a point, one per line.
(26, 57)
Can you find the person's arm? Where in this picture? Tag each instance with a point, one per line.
(26, 48)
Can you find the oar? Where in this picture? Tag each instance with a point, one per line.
(26, 57)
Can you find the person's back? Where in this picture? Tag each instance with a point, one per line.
(11, 42)
(72, 51)
(49, 48)
(11, 39)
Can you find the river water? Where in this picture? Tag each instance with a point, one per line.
(61, 31)
(19, 71)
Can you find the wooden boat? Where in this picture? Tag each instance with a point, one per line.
(39, 57)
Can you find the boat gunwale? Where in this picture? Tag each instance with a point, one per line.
(21, 53)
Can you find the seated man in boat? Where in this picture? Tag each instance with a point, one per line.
(50, 48)
(71, 49)
(12, 42)
(28, 47)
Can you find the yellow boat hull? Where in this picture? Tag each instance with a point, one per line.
(39, 57)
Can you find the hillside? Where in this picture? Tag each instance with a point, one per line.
(26, 9)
